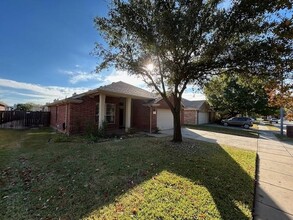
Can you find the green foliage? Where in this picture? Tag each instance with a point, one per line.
(131, 130)
(24, 107)
(141, 178)
(187, 42)
(156, 130)
(232, 94)
(94, 132)
(59, 138)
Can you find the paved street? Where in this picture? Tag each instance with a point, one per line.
(274, 188)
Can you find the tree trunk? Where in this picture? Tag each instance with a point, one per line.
(177, 135)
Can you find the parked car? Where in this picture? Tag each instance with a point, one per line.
(238, 121)
(274, 120)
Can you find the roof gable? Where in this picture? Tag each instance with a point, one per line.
(194, 104)
(126, 89)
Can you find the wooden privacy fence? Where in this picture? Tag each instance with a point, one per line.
(19, 119)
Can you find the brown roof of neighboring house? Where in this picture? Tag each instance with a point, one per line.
(193, 104)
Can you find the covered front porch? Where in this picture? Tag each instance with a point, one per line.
(114, 111)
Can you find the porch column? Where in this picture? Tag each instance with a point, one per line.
(128, 114)
(102, 108)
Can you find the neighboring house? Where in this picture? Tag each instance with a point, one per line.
(164, 116)
(197, 112)
(3, 106)
(121, 105)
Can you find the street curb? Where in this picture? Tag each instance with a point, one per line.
(255, 185)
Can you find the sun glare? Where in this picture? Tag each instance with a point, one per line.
(150, 67)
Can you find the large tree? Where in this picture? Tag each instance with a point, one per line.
(280, 86)
(173, 43)
(24, 106)
(232, 94)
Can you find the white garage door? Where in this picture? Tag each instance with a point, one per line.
(203, 118)
(164, 119)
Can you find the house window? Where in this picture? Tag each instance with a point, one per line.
(110, 110)
(110, 113)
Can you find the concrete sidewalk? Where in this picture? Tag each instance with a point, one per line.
(274, 188)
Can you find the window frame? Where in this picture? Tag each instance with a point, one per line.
(97, 114)
(114, 112)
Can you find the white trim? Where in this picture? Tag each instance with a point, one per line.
(102, 109)
(128, 114)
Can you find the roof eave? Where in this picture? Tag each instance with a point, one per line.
(65, 101)
(116, 94)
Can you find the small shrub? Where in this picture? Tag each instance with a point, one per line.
(94, 132)
(131, 131)
(156, 130)
(90, 128)
(102, 130)
(61, 138)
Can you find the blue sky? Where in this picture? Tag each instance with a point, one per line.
(45, 50)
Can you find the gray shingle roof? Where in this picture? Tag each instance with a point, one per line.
(126, 89)
(193, 104)
(116, 88)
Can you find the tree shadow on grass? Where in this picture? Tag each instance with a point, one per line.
(74, 180)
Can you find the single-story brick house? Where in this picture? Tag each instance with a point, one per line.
(121, 105)
(197, 112)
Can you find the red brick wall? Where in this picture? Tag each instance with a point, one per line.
(190, 117)
(81, 115)
(141, 116)
(58, 117)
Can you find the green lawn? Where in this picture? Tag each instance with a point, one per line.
(227, 130)
(141, 178)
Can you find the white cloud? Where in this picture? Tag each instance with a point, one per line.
(83, 77)
(118, 75)
(20, 92)
(193, 96)
(115, 76)
(12, 92)
(193, 93)
(80, 76)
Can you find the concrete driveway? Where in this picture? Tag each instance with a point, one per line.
(213, 137)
